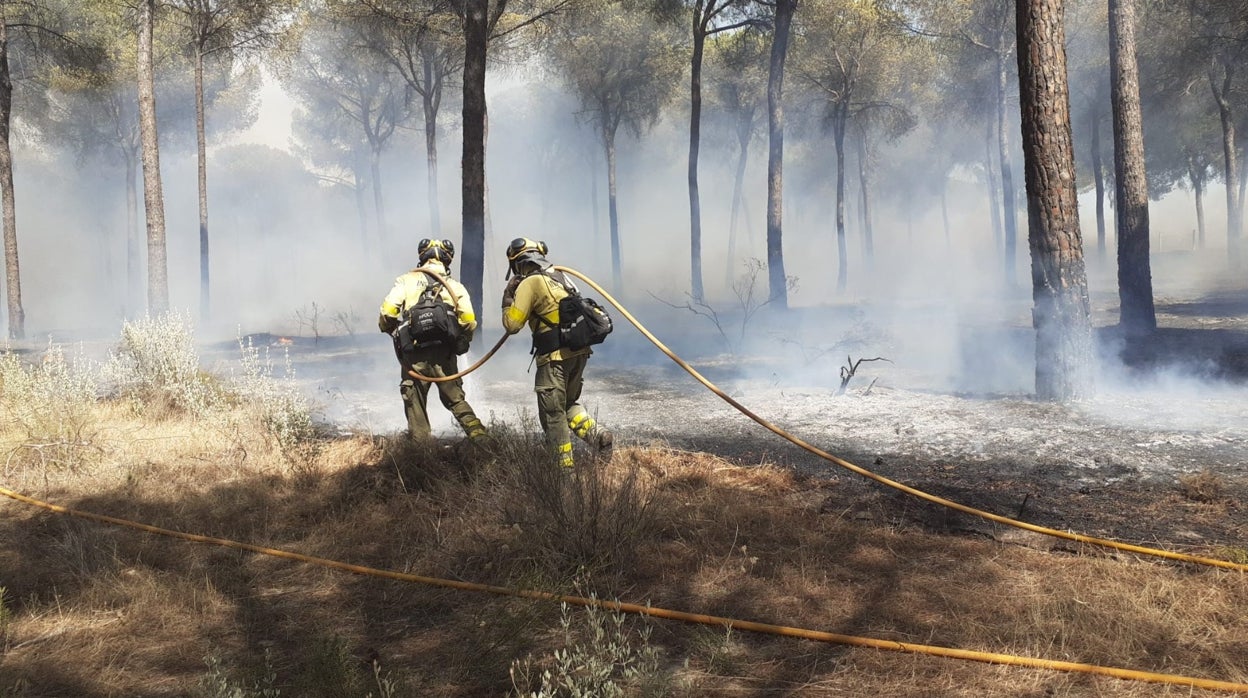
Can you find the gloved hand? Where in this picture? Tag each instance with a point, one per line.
(509, 293)
(387, 324)
(462, 342)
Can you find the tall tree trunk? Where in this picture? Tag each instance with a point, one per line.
(379, 201)
(695, 134)
(12, 269)
(613, 212)
(745, 125)
(1098, 176)
(1230, 166)
(1135, 277)
(153, 196)
(864, 214)
(1061, 313)
(596, 224)
(776, 281)
(476, 34)
(1008, 206)
(1198, 192)
(842, 254)
(430, 105)
(134, 254)
(994, 200)
(201, 153)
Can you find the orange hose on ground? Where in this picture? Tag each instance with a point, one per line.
(768, 628)
(1077, 537)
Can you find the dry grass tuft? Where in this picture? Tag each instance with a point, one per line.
(1205, 486)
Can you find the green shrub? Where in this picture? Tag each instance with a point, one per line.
(600, 656)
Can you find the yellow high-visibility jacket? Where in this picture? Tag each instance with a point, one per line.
(408, 288)
(538, 295)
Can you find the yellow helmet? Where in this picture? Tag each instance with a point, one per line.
(443, 250)
(525, 250)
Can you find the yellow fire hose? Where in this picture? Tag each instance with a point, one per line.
(767, 628)
(1078, 537)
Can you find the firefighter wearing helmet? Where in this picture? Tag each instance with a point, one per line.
(532, 297)
(432, 351)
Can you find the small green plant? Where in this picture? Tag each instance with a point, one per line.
(601, 656)
(219, 682)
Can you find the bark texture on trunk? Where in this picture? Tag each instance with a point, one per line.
(1135, 277)
(12, 268)
(776, 281)
(695, 132)
(153, 196)
(1230, 164)
(476, 34)
(1061, 313)
(1008, 208)
(994, 200)
(134, 240)
(1098, 175)
(201, 151)
(1198, 192)
(842, 253)
(431, 160)
(613, 211)
(745, 127)
(864, 213)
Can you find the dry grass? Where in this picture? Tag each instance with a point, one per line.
(95, 610)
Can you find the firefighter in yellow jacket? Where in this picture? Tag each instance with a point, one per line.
(440, 343)
(531, 295)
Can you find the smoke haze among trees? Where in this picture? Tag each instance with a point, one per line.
(903, 172)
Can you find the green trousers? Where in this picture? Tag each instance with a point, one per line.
(558, 385)
(416, 394)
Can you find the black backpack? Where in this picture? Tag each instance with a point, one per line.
(582, 323)
(429, 323)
